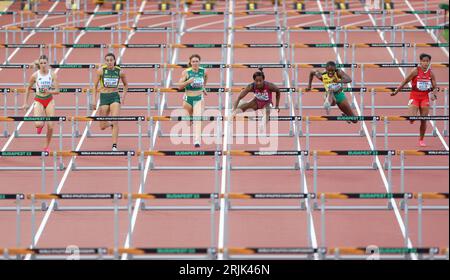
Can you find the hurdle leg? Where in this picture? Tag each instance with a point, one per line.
(315, 170)
(116, 227)
(18, 221)
(213, 225)
(5, 113)
(389, 171)
(55, 167)
(406, 222)
(445, 132)
(300, 111)
(322, 219)
(402, 171)
(33, 221)
(307, 142)
(386, 122)
(43, 182)
(419, 221)
(140, 163)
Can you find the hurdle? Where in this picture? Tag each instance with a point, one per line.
(386, 253)
(346, 46)
(434, 118)
(261, 119)
(216, 119)
(361, 119)
(402, 169)
(286, 90)
(74, 154)
(284, 66)
(374, 153)
(24, 68)
(344, 196)
(220, 91)
(21, 46)
(420, 207)
(115, 197)
(295, 80)
(14, 29)
(297, 166)
(270, 253)
(365, 66)
(18, 198)
(213, 205)
(375, 90)
(138, 119)
(169, 253)
(151, 154)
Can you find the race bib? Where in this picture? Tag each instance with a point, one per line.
(197, 83)
(264, 96)
(110, 82)
(423, 85)
(334, 87)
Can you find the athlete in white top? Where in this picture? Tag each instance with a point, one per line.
(44, 106)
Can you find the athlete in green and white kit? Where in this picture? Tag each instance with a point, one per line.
(193, 80)
(109, 76)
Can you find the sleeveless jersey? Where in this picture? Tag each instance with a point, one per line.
(327, 80)
(263, 94)
(199, 79)
(43, 81)
(421, 84)
(110, 77)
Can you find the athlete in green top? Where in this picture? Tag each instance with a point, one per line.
(193, 80)
(109, 76)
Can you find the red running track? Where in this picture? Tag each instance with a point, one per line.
(246, 228)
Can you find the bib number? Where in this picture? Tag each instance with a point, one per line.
(423, 85)
(264, 96)
(197, 83)
(110, 82)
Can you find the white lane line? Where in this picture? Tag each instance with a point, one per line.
(149, 159)
(312, 230)
(428, 31)
(223, 190)
(372, 147)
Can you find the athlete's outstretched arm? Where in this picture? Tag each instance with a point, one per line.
(182, 83)
(27, 91)
(405, 81)
(204, 83)
(55, 84)
(312, 74)
(344, 77)
(435, 87)
(242, 94)
(125, 86)
(97, 80)
(274, 88)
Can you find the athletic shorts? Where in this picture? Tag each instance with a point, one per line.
(340, 96)
(44, 100)
(192, 100)
(262, 104)
(109, 98)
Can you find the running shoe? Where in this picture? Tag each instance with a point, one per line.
(422, 143)
(197, 144)
(39, 130)
(47, 150)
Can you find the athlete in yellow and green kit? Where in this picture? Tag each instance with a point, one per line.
(333, 80)
(109, 76)
(193, 80)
